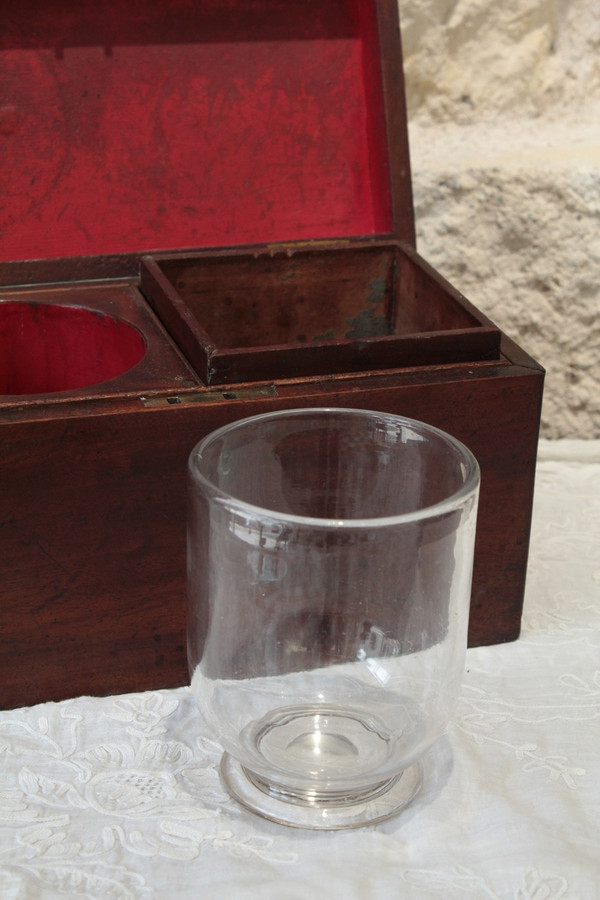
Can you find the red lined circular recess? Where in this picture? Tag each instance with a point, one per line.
(46, 347)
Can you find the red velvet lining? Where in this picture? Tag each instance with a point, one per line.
(47, 347)
(134, 125)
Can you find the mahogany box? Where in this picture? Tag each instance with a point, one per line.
(206, 213)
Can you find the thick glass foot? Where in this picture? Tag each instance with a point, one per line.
(319, 811)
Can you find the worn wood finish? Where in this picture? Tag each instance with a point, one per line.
(272, 312)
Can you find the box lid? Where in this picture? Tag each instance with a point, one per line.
(135, 125)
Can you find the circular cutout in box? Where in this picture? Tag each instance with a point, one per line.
(49, 347)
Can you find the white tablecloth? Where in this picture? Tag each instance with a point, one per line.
(120, 797)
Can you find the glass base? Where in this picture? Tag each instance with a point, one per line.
(326, 813)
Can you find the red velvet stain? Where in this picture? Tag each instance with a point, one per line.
(133, 125)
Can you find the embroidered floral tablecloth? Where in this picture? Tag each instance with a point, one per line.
(120, 797)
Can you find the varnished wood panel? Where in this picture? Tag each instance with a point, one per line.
(92, 517)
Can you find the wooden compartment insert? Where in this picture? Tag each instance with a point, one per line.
(290, 311)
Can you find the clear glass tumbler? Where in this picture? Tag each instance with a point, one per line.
(329, 563)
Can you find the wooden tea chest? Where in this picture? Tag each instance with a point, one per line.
(206, 214)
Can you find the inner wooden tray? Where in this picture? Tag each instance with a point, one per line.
(292, 310)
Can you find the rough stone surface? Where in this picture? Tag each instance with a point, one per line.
(504, 124)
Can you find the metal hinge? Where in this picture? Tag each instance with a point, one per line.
(210, 396)
(290, 247)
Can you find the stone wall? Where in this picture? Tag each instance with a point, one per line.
(504, 126)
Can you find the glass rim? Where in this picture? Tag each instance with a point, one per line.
(449, 504)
